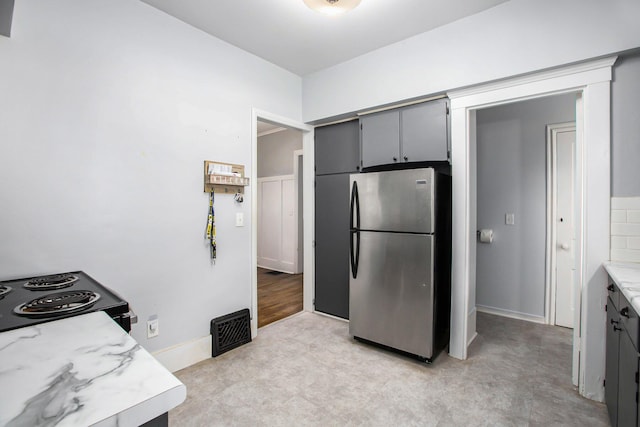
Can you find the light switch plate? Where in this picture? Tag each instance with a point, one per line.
(239, 219)
(510, 219)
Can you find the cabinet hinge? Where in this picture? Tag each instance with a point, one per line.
(636, 397)
(604, 383)
(636, 377)
(605, 307)
(313, 244)
(360, 126)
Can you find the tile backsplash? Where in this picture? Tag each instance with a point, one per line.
(625, 229)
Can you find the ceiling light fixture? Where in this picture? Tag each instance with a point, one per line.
(332, 7)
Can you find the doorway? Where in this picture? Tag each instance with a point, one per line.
(279, 271)
(282, 281)
(592, 81)
(512, 203)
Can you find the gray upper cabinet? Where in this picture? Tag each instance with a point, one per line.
(424, 132)
(337, 148)
(380, 135)
(416, 133)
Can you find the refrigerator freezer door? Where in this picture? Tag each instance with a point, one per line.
(391, 299)
(400, 200)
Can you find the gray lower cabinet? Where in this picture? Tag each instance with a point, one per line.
(415, 133)
(337, 148)
(622, 361)
(627, 385)
(611, 366)
(332, 245)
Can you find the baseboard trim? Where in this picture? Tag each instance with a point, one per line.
(279, 268)
(511, 314)
(330, 316)
(183, 355)
(472, 332)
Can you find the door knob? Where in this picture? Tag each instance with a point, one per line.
(564, 246)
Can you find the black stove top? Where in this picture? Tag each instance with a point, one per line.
(32, 300)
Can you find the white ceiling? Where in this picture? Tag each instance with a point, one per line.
(289, 34)
(265, 128)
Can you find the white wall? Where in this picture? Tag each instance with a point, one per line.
(275, 152)
(513, 38)
(108, 109)
(511, 178)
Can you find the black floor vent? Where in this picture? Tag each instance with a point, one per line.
(230, 331)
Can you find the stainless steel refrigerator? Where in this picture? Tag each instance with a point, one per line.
(400, 260)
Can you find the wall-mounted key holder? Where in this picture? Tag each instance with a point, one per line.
(224, 178)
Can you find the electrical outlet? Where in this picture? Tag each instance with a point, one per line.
(239, 219)
(153, 328)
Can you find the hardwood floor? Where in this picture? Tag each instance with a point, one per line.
(279, 296)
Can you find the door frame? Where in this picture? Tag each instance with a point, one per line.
(592, 80)
(299, 215)
(308, 207)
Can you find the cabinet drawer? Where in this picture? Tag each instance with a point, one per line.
(614, 293)
(629, 319)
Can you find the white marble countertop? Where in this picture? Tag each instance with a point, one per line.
(627, 277)
(81, 371)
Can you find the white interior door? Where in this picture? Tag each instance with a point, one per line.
(277, 223)
(564, 141)
(270, 223)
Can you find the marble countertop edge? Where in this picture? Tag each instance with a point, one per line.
(82, 370)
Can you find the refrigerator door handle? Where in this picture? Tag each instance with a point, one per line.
(354, 252)
(355, 207)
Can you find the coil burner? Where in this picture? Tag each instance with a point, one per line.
(58, 303)
(4, 290)
(48, 283)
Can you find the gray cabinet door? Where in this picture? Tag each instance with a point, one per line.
(627, 386)
(380, 137)
(332, 245)
(337, 148)
(611, 363)
(424, 135)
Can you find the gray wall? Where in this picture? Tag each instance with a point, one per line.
(275, 152)
(625, 127)
(6, 17)
(511, 154)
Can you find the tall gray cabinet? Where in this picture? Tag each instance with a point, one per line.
(337, 155)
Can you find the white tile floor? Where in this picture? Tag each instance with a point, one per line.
(307, 370)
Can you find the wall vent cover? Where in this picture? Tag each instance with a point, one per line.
(230, 331)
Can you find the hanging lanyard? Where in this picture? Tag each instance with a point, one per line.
(211, 227)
